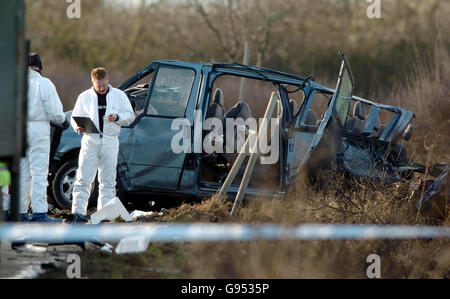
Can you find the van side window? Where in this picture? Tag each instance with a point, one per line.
(171, 91)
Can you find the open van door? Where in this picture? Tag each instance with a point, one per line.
(315, 147)
(151, 160)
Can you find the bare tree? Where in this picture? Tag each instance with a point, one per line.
(234, 22)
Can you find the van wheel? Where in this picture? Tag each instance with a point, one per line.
(63, 186)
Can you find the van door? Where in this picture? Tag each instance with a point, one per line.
(312, 147)
(153, 163)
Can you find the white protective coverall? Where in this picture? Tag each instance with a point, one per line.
(44, 106)
(6, 198)
(99, 152)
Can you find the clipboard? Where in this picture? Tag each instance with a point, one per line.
(86, 123)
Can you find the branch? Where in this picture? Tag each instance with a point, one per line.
(233, 27)
(201, 10)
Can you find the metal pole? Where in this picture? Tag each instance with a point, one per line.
(246, 61)
(234, 170)
(240, 159)
(1, 205)
(14, 213)
(254, 154)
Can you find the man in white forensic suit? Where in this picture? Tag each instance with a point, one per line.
(6, 199)
(5, 180)
(109, 109)
(44, 106)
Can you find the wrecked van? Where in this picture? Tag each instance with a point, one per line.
(173, 149)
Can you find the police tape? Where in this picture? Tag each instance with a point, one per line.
(179, 232)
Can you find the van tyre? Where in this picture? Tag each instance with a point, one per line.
(63, 186)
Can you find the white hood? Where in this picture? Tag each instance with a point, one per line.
(43, 100)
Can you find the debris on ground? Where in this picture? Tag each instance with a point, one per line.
(111, 211)
(434, 203)
(136, 214)
(108, 248)
(151, 216)
(133, 244)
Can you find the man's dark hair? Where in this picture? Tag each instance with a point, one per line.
(35, 60)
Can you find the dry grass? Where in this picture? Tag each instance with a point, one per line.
(317, 259)
(215, 209)
(343, 200)
(340, 202)
(427, 93)
(348, 201)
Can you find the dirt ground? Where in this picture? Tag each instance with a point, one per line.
(266, 260)
(339, 201)
(364, 203)
(33, 260)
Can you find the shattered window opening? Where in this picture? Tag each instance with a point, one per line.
(296, 98)
(138, 94)
(316, 110)
(171, 91)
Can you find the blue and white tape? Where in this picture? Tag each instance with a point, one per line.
(177, 232)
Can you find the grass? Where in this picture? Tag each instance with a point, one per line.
(427, 93)
(342, 200)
